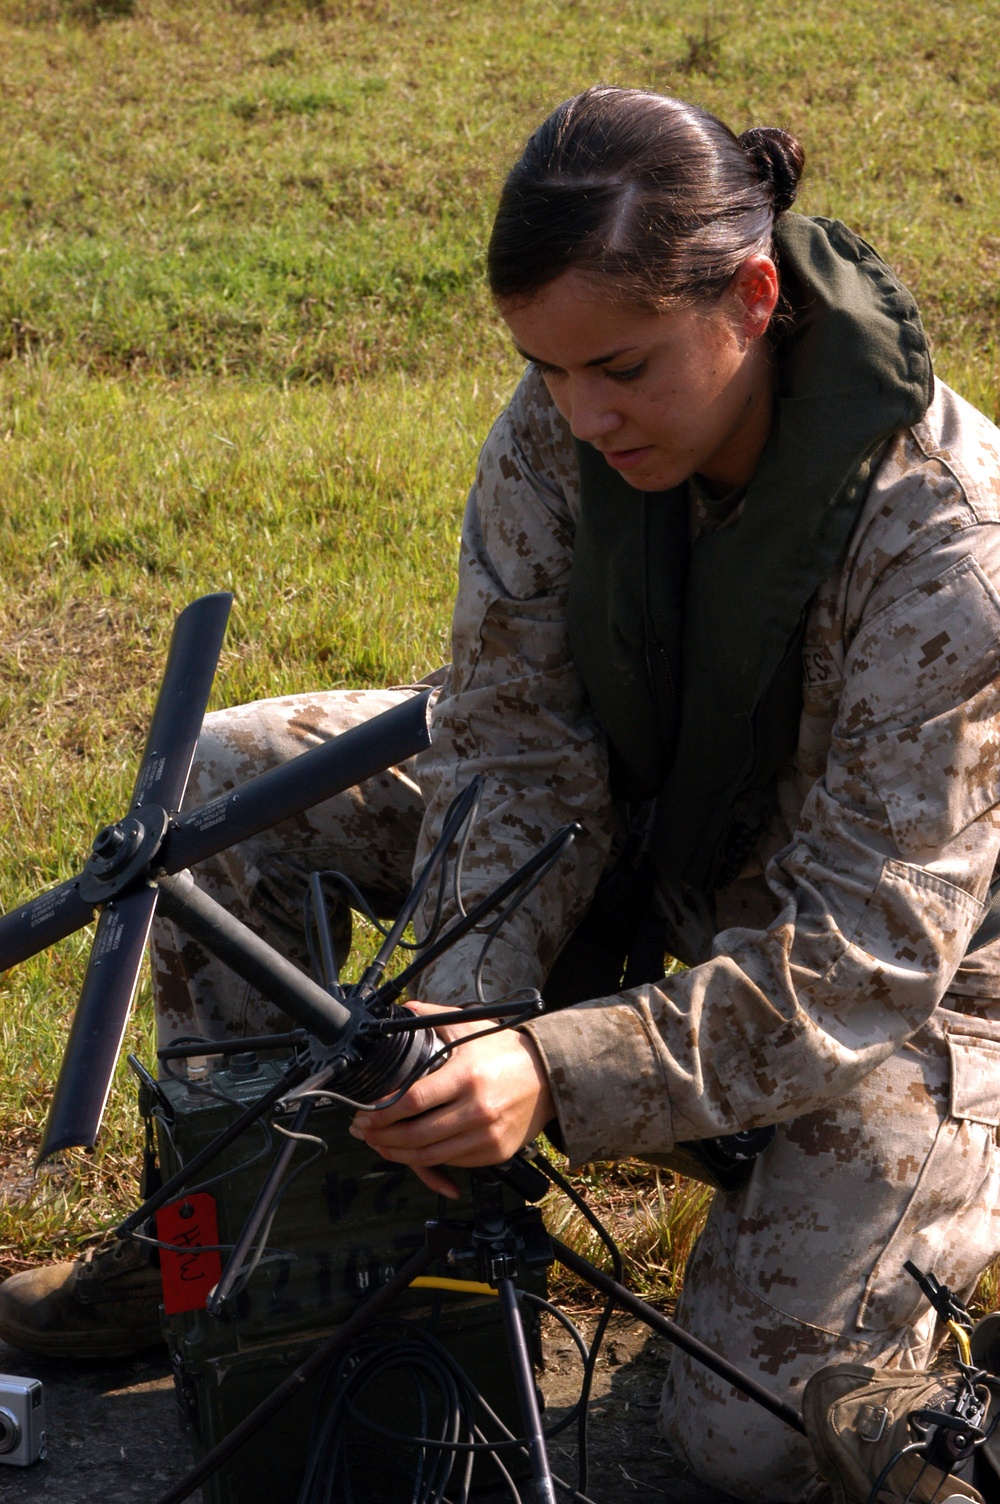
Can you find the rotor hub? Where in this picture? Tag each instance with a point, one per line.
(115, 844)
(122, 854)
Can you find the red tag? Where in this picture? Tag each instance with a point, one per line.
(189, 1276)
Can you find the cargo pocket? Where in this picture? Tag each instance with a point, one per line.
(951, 1224)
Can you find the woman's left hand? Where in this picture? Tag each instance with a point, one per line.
(483, 1104)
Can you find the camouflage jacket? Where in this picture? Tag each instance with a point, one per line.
(849, 924)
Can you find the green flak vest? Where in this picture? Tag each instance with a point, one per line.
(692, 656)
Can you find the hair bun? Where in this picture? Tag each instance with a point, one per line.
(778, 158)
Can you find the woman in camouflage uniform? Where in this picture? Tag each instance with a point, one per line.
(731, 559)
(841, 511)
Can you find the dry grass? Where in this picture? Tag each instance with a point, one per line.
(653, 1215)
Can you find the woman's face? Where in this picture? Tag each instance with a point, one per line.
(663, 396)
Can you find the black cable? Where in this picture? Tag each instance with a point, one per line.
(386, 1347)
(509, 1441)
(261, 1253)
(459, 1436)
(520, 895)
(578, 1408)
(274, 1256)
(434, 928)
(518, 883)
(908, 1451)
(215, 1093)
(359, 902)
(574, 1494)
(205, 1088)
(457, 823)
(460, 853)
(559, 1180)
(260, 1249)
(458, 820)
(167, 1128)
(551, 1309)
(506, 1477)
(244, 1164)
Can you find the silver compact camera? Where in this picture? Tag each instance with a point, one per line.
(22, 1421)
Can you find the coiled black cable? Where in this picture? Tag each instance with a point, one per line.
(347, 1443)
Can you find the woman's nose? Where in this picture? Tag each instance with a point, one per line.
(591, 416)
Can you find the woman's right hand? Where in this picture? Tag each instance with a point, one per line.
(483, 1104)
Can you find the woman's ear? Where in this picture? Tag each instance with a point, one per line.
(755, 288)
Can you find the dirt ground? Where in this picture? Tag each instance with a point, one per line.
(115, 1437)
(112, 1429)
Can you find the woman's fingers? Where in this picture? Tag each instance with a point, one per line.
(479, 1108)
(437, 1181)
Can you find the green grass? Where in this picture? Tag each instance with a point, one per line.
(343, 568)
(244, 344)
(295, 193)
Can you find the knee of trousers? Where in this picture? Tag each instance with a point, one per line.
(727, 1439)
(730, 1442)
(369, 831)
(243, 740)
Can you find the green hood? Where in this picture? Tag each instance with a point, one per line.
(692, 657)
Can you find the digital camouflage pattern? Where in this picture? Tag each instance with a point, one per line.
(804, 1265)
(885, 849)
(818, 1005)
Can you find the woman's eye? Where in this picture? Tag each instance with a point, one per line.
(632, 373)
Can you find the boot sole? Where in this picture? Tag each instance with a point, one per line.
(77, 1344)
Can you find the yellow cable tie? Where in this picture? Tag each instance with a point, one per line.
(961, 1336)
(438, 1282)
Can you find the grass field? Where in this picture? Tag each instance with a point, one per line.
(244, 344)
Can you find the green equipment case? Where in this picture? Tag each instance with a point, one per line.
(345, 1223)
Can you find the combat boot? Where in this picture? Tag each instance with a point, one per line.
(865, 1424)
(105, 1304)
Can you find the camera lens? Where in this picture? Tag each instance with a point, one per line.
(10, 1431)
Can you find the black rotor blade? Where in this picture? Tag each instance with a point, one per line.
(296, 785)
(116, 955)
(50, 917)
(195, 644)
(99, 1023)
(95, 1039)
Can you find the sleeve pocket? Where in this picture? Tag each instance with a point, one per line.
(975, 1078)
(923, 655)
(923, 709)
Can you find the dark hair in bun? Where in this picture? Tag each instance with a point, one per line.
(654, 200)
(779, 160)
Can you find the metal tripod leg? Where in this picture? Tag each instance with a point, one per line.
(491, 1240)
(498, 1250)
(527, 1395)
